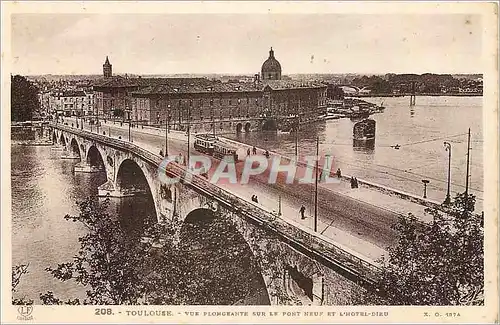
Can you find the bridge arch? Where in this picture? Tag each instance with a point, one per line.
(350, 88)
(212, 238)
(75, 148)
(248, 127)
(62, 139)
(94, 158)
(131, 178)
(239, 127)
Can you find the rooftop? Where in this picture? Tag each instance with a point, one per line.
(69, 93)
(167, 87)
(122, 82)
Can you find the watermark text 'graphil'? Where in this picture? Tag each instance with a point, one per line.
(268, 169)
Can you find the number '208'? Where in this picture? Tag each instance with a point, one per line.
(103, 311)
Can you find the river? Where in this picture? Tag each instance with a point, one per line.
(419, 130)
(44, 190)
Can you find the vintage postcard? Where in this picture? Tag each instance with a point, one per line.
(249, 162)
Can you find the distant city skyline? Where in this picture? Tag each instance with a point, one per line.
(237, 44)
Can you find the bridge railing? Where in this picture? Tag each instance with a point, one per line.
(303, 239)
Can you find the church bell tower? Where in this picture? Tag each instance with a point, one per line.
(107, 69)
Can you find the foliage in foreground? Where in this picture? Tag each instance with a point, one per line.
(17, 272)
(439, 264)
(24, 99)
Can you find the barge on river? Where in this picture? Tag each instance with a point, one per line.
(364, 130)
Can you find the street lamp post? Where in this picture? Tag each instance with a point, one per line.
(97, 118)
(212, 117)
(129, 130)
(129, 121)
(189, 135)
(447, 146)
(279, 205)
(167, 118)
(316, 188)
(297, 122)
(425, 181)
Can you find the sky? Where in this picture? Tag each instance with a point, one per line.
(239, 43)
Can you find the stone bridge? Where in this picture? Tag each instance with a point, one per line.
(307, 268)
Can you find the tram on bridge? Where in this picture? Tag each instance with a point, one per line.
(211, 145)
(205, 143)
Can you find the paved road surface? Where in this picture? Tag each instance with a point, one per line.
(363, 227)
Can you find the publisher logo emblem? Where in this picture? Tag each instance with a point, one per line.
(25, 312)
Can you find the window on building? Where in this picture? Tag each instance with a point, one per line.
(201, 102)
(211, 102)
(239, 101)
(190, 102)
(230, 102)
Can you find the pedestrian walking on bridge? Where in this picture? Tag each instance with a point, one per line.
(302, 211)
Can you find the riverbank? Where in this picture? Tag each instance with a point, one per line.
(419, 94)
(46, 142)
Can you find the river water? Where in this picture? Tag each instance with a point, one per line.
(419, 130)
(44, 190)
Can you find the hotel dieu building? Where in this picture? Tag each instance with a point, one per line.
(266, 103)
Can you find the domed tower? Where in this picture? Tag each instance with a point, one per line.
(107, 69)
(271, 68)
